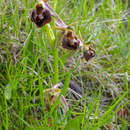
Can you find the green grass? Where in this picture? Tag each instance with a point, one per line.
(30, 63)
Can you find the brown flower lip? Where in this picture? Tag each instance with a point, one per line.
(70, 41)
(41, 16)
(88, 54)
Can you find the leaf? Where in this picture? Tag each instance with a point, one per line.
(66, 84)
(28, 47)
(74, 124)
(50, 33)
(8, 91)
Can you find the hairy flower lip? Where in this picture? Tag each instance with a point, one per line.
(66, 43)
(70, 41)
(41, 16)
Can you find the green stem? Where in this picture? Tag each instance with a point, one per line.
(56, 71)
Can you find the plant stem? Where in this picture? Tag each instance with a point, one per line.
(56, 71)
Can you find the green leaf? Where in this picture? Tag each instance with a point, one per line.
(8, 91)
(66, 84)
(50, 33)
(74, 124)
(29, 44)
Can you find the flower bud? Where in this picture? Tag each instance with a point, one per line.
(88, 54)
